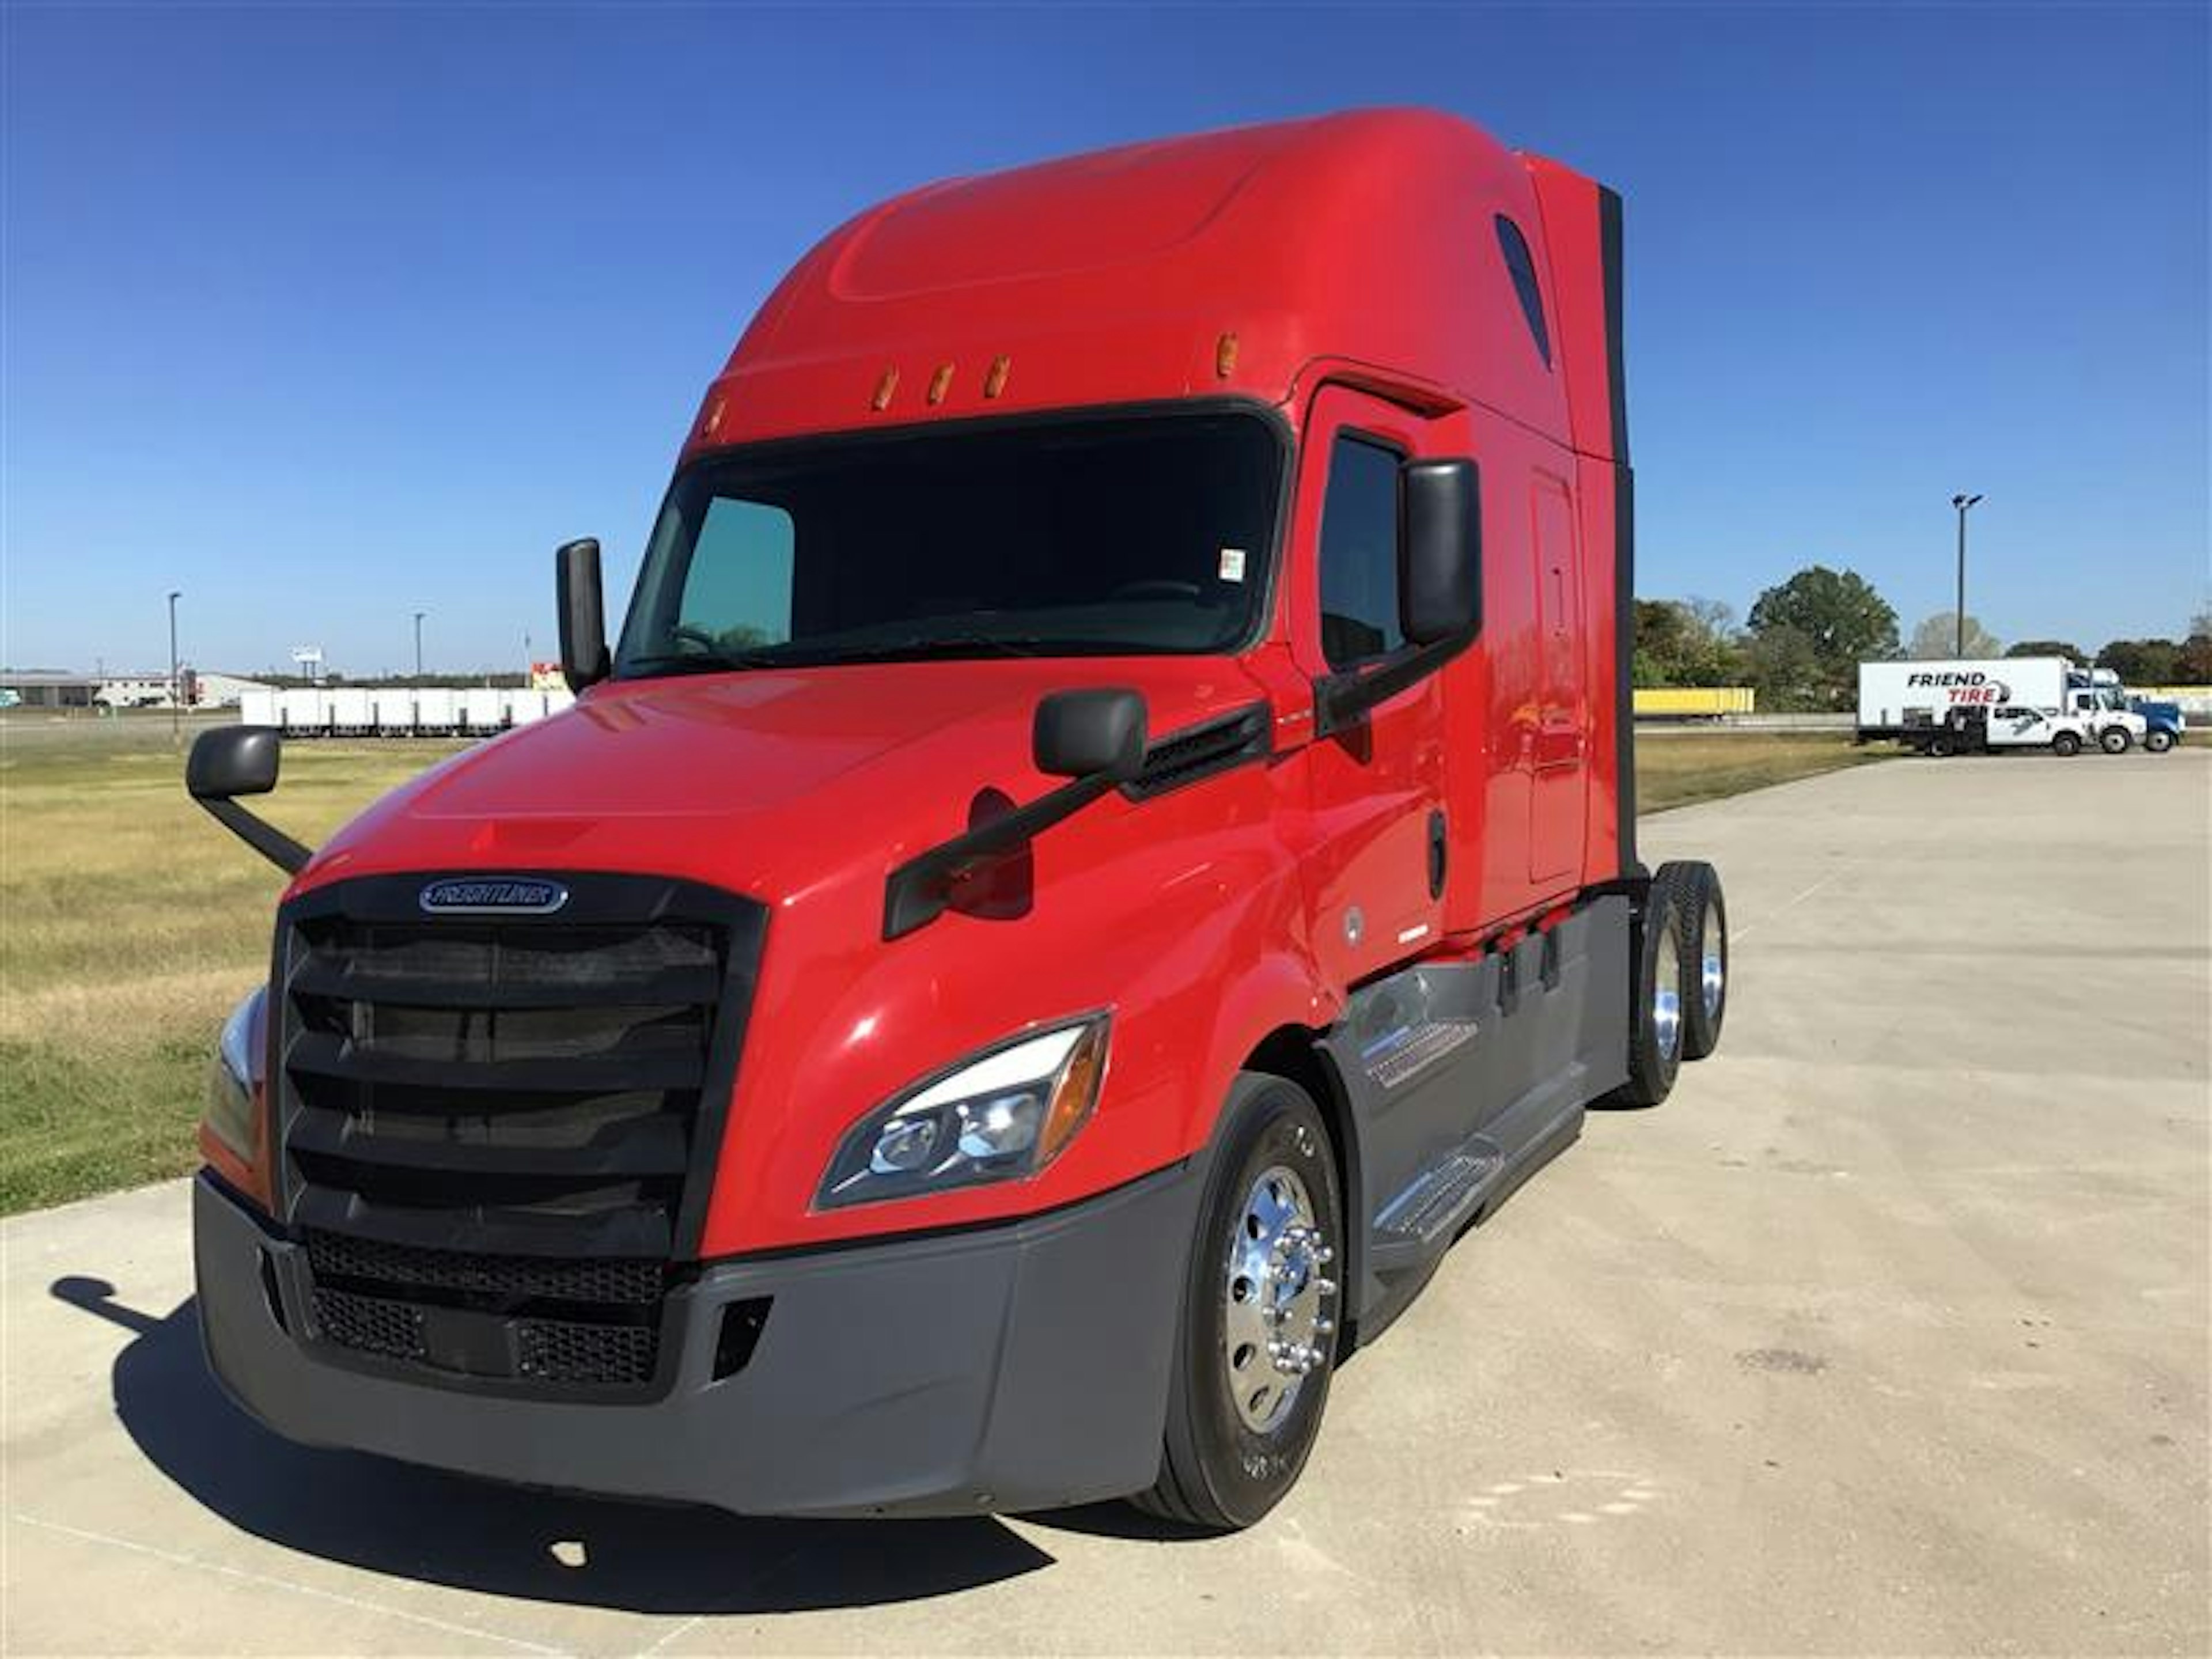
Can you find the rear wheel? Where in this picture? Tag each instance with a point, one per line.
(1257, 1340)
(2114, 740)
(1654, 1010)
(1704, 970)
(2157, 742)
(2066, 743)
(1943, 745)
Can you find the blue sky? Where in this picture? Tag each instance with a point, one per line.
(327, 314)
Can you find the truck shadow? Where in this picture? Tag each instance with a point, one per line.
(448, 1529)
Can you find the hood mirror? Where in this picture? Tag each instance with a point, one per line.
(231, 761)
(583, 614)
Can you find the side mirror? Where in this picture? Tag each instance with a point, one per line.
(1440, 561)
(1092, 733)
(231, 761)
(1094, 738)
(583, 614)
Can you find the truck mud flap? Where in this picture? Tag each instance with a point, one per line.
(1462, 1077)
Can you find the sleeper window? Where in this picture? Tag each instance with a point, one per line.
(1521, 266)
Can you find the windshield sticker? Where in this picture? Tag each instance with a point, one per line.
(1232, 564)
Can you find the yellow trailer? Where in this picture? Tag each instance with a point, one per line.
(1688, 703)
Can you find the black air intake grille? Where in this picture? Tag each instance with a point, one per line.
(512, 1119)
(1199, 751)
(336, 1256)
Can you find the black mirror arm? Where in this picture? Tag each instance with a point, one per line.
(920, 890)
(1339, 700)
(263, 837)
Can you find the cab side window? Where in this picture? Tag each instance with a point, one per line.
(1359, 528)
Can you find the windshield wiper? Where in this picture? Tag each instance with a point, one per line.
(701, 662)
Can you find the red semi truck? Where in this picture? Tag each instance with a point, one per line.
(1105, 843)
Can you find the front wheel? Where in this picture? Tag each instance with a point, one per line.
(2066, 743)
(2114, 740)
(2157, 742)
(1256, 1343)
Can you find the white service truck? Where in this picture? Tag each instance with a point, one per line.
(1950, 708)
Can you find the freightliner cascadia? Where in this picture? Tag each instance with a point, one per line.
(1104, 843)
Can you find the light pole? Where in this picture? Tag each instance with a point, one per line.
(176, 686)
(419, 614)
(1958, 616)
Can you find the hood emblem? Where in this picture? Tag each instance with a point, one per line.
(477, 896)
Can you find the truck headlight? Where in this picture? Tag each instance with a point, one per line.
(1003, 1115)
(230, 1101)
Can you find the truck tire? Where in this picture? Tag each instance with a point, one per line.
(2066, 743)
(1941, 746)
(2115, 740)
(1654, 1008)
(1704, 970)
(1256, 1342)
(2158, 741)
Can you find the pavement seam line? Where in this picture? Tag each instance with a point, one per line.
(179, 1558)
(681, 1630)
(1787, 905)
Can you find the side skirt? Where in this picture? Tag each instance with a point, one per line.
(1463, 1078)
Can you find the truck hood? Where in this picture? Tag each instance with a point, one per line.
(762, 781)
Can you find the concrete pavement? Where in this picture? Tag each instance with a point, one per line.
(1888, 1333)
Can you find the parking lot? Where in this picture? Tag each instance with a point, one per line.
(1888, 1333)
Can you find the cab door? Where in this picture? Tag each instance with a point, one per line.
(1375, 789)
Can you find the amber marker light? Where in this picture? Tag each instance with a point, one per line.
(995, 380)
(884, 387)
(1224, 356)
(939, 383)
(1074, 1095)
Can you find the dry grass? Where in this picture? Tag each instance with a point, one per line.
(1673, 768)
(130, 922)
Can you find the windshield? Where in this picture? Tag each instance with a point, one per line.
(1138, 535)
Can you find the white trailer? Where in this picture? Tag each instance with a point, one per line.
(394, 712)
(303, 712)
(257, 706)
(352, 712)
(437, 711)
(484, 711)
(1954, 706)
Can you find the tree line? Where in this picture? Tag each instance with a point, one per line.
(1801, 646)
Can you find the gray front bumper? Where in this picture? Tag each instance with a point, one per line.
(1013, 1367)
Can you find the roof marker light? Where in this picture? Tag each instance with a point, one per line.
(938, 383)
(1224, 356)
(884, 387)
(995, 382)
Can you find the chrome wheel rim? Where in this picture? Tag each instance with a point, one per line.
(1667, 993)
(1712, 967)
(1277, 1305)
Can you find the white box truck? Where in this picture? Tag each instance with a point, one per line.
(1960, 707)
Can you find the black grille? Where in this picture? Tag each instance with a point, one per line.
(1199, 751)
(565, 1351)
(499, 1132)
(337, 1256)
(370, 1323)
